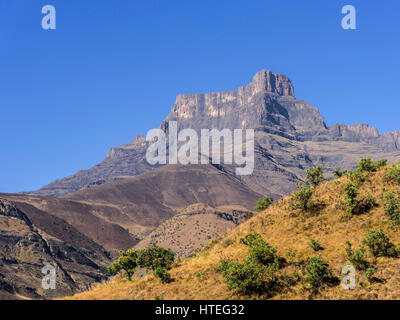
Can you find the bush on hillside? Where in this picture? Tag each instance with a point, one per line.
(316, 272)
(391, 206)
(356, 207)
(357, 257)
(257, 273)
(162, 274)
(315, 245)
(247, 277)
(393, 173)
(367, 165)
(370, 274)
(379, 244)
(314, 176)
(263, 203)
(259, 250)
(350, 196)
(302, 198)
(339, 173)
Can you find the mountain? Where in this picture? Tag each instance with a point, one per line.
(290, 135)
(291, 231)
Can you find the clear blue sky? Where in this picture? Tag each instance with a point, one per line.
(111, 70)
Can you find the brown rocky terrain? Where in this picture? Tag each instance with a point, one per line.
(74, 232)
(30, 241)
(194, 227)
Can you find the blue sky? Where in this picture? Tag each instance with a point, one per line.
(111, 70)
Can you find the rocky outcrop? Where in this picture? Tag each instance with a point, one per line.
(26, 247)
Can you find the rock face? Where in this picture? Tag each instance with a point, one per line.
(28, 242)
(291, 135)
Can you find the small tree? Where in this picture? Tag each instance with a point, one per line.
(127, 263)
(263, 203)
(157, 259)
(301, 199)
(314, 176)
(351, 192)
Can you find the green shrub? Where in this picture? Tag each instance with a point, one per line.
(367, 165)
(356, 207)
(356, 258)
(391, 206)
(356, 176)
(379, 244)
(247, 277)
(393, 173)
(126, 262)
(339, 173)
(314, 176)
(316, 271)
(315, 245)
(257, 273)
(162, 274)
(263, 203)
(350, 196)
(302, 198)
(369, 273)
(259, 250)
(365, 204)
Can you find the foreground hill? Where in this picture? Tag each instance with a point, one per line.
(289, 230)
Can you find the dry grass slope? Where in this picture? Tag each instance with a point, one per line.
(195, 277)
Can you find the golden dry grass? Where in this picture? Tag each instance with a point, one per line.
(196, 278)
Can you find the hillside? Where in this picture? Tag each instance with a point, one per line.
(290, 230)
(126, 211)
(28, 241)
(194, 226)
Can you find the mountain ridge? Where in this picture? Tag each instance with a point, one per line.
(267, 105)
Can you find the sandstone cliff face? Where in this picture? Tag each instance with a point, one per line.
(290, 135)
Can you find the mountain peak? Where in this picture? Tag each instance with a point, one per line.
(265, 80)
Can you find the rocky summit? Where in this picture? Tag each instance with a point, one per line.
(290, 135)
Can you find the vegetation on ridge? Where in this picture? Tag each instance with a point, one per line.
(273, 254)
